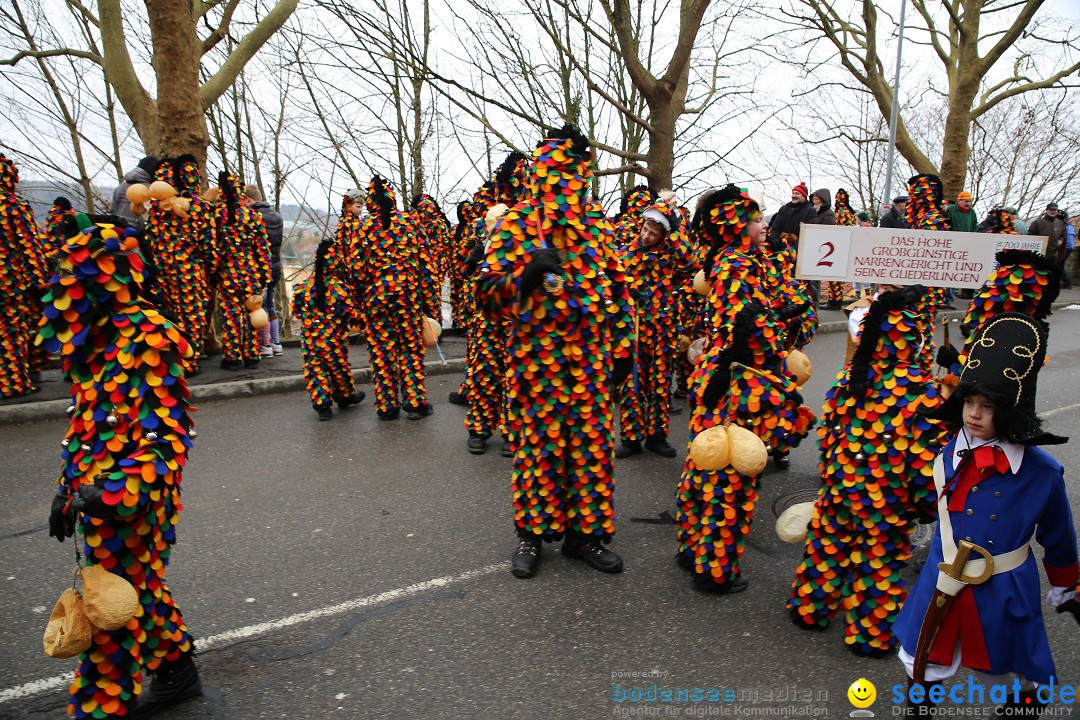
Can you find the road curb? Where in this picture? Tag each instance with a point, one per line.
(56, 409)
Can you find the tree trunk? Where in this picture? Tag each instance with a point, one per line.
(661, 153)
(176, 61)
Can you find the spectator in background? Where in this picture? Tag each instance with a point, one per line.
(896, 216)
(142, 174)
(823, 212)
(1052, 225)
(269, 336)
(960, 214)
(1070, 243)
(789, 217)
(863, 218)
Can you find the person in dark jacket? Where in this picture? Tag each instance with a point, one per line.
(142, 174)
(895, 217)
(269, 336)
(823, 212)
(789, 217)
(1051, 224)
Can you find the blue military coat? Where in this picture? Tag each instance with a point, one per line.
(1000, 514)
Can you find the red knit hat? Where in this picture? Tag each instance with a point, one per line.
(801, 188)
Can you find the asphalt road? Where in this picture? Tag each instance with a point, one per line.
(359, 569)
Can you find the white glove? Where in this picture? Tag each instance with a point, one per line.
(1058, 595)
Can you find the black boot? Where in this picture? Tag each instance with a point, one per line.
(389, 413)
(477, 444)
(705, 582)
(172, 682)
(325, 412)
(1029, 706)
(251, 363)
(781, 459)
(659, 445)
(628, 448)
(526, 557)
(507, 450)
(923, 708)
(355, 399)
(231, 364)
(420, 411)
(592, 551)
(457, 398)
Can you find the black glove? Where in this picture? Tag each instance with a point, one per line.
(621, 369)
(543, 261)
(1071, 606)
(947, 356)
(776, 243)
(476, 256)
(792, 310)
(61, 521)
(90, 501)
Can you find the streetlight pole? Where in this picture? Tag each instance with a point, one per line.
(895, 107)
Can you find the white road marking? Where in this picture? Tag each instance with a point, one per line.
(1058, 411)
(37, 687)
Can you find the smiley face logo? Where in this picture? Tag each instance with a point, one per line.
(862, 693)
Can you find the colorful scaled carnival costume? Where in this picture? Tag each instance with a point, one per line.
(488, 337)
(627, 223)
(180, 229)
(60, 224)
(124, 455)
(433, 234)
(23, 276)
(345, 259)
(243, 270)
(925, 195)
(977, 601)
(552, 271)
(325, 307)
(655, 273)
(391, 276)
(838, 292)
(877, 454)
(715, 507)
(455, 254)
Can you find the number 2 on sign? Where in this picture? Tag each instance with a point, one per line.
(829, 248)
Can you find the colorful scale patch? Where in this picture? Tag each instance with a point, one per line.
(182, 246)
(345, 260)
(243, 268)
(433, 233)
(1021, 281)
(564, 339)
(714, 509)
(391, 277)
(23, 274)
(877, 455)
(656, 275)
(130, 432)
(324, 337)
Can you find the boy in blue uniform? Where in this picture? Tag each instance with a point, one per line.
(996, 488)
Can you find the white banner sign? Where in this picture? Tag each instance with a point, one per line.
(903, 257)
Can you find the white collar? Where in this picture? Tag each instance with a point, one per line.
(1014, 452)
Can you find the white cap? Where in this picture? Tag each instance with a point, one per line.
(654, 214)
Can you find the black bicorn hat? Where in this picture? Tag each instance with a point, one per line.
(1003, 363)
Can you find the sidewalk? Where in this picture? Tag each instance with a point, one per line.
(285, 372)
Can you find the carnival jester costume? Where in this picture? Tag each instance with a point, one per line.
(657, 260)
(123, 459)
(433, 233)
(325, 306)
(391, 277)
(23, 276)
(488, 337)
(836, 292)
(243, 270)
(715, 507)
(552, 270)
(877, 454)
(180, 229)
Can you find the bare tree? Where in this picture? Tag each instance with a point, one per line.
(971, 39)
(174, 121)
